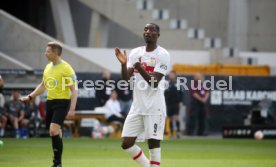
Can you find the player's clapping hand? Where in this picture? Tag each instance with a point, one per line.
(138, 63)
(122, 57)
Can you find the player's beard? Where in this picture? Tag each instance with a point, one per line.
(147, 40)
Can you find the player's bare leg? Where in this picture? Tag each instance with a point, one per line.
(155, 152)
(128, 144)
(24, 123)
(176, 121)
(14, 121)
(57, 145)
(3, 122)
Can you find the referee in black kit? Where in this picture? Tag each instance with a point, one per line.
(173, 98)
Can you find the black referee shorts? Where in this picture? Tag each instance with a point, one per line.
(56, 111)
(172, 110)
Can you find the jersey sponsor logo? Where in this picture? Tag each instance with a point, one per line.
(148, 64)
(146, 67)
(149, 69)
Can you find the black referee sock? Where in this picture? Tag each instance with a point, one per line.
(57, 148)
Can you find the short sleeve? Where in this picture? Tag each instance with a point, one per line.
(70, 75)
(43, 78)
(44, 73)
(162, 64)
(130, 59)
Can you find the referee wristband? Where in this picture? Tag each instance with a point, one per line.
(30, 97)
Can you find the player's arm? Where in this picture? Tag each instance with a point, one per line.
(74, 97)
(21, 115)
(151, 80)
(160, 69)
(71, 82)
(38, 90)
(198, 97)
(6, 113)
(126, 73)
(202, 99)
(180, 97)
(122, 57)
(206, 97)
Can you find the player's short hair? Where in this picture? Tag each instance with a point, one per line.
(56, 47)
(156, 26)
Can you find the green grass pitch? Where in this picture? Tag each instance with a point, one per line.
(192, 152)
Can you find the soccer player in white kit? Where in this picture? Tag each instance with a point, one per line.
(147, 65)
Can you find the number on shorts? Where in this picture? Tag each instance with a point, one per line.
(155, 128)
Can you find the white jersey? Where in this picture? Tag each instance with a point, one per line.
(112, 108)
(147, 100)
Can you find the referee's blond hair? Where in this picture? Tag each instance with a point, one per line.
(56, 47)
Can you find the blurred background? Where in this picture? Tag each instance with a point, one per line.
(219, 38)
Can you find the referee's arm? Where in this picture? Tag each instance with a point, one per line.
(38, 90)
(74, 96)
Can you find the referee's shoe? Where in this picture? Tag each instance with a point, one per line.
(56, 164)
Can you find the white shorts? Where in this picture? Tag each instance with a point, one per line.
(144, 127)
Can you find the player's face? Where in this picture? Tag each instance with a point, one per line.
(49, 53)
(114, 95)
(16, 95)
(150, 33)
(106, 75)
(198, 77)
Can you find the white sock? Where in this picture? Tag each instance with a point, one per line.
(138, 155)
(3, 132)
(155, 157)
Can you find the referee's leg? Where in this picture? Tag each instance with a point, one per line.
(57, 144)
(55, 129)
(57, 113)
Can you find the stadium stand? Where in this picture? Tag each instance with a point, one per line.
(26, 44)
